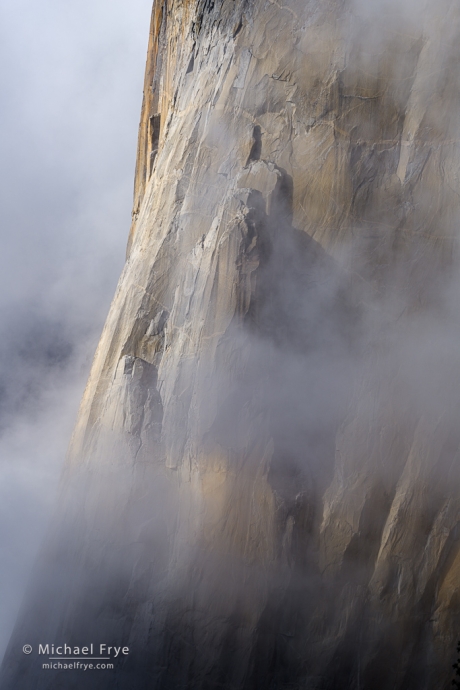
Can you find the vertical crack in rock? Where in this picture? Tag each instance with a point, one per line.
(261, 490)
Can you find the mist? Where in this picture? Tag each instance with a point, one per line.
(71, 87)
(261, 488)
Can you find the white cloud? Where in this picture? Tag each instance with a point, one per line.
(71, 90)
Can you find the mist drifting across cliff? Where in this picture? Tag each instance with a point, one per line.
(71, 86)
(262, 487)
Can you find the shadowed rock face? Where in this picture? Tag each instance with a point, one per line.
(262, 489)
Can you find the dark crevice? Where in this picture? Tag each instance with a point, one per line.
(154, 137)
(238, 28)
(191, 63)
(256, 149)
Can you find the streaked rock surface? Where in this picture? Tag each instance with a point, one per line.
(262, 489)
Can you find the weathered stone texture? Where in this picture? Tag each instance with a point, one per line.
(262, 486)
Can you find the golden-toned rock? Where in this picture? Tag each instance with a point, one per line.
(262, 489)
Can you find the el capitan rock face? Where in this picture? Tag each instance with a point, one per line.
(262, 489)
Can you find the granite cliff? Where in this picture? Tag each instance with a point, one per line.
(262, 489)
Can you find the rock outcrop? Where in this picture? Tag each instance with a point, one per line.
(262, 489)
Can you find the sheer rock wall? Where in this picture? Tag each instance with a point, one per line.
(262, 486)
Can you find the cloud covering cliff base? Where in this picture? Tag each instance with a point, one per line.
(71, 86)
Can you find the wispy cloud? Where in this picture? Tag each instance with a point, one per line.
(71, 90)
